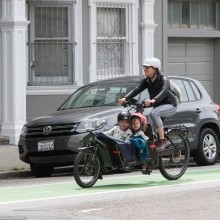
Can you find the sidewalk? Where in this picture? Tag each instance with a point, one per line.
(9, 159)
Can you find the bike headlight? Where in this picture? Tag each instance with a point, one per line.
(24, 131)
(91, 125)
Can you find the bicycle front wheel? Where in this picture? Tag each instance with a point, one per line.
(86, 168)
(172, 167)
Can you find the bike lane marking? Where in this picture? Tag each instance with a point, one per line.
(107, 185)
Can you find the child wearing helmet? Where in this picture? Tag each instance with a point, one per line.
(121, 131)
(163, 102)
(139, 124)
(139, 139)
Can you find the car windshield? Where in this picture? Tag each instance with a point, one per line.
(96, 95)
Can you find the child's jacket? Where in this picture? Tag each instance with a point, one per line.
(141, 145)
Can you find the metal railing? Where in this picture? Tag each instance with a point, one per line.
(51, 47)
(51, 63)
(114, 41)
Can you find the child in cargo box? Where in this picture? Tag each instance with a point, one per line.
(139, 139)
(121, 134)
(121, 131)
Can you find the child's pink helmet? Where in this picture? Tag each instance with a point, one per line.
(141, 116)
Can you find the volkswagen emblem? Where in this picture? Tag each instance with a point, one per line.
(47, 130)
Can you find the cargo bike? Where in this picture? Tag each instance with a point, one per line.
(102, 155)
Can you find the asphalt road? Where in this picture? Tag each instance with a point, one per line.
(126, 196)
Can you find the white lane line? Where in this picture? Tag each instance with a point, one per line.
(90, 210)
(108, 192)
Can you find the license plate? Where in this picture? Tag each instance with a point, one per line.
(46, 145)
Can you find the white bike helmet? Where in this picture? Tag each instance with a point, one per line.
(152, 61)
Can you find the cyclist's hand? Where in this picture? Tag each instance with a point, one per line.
(121, 101)
(149, 102)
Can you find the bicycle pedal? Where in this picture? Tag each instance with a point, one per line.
(132, 164)
(166, 152)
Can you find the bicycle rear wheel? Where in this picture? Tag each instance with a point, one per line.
(86, 168)
(172, 167)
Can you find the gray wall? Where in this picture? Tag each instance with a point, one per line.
(140, 39)
(1, 90)
(39, 105)
(217, 71)
(158, 34)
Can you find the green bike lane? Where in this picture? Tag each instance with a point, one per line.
(107, 185)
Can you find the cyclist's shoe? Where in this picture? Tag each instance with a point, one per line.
(145, 170)
(162, 144)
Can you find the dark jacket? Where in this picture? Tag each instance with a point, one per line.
(158, 90)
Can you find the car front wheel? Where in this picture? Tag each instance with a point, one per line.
(41, 171)
(208, 148)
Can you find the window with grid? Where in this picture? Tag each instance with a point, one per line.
(51, 47)
(192, 14)
(113, 40)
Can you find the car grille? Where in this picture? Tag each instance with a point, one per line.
(53, 130)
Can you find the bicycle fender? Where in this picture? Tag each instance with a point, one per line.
(85, 148)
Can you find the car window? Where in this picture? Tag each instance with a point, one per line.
(97, 95)
(180, 84)
(196, 90)
(189, 90)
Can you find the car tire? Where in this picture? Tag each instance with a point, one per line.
(41, 171)
(208, 148)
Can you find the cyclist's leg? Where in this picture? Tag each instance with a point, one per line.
(155, 115)
(162, 111)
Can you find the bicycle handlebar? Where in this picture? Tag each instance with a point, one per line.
(133, 103)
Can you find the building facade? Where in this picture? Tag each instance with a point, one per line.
(49, 48)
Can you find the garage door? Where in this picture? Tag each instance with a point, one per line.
(192, 58)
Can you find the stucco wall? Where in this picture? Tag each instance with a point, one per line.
(39, 105)
(159, 34)
(140, 39)
(1, 91)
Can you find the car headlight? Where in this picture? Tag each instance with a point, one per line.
(91, 125)
(24, 131)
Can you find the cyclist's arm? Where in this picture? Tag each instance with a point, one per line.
(164, 91)
(138, 89)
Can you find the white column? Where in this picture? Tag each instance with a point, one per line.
(92, 19)
(134, 33)
(13, 26)
(148, 26)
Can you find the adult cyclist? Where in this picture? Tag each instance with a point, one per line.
(163, 102)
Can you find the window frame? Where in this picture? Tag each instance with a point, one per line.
(190, 25)
(132, 63)
(44, 80)
(77, 61)
(122, 39)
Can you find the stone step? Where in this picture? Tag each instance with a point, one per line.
(4, 140)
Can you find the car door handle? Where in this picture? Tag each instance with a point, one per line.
(198, 110)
